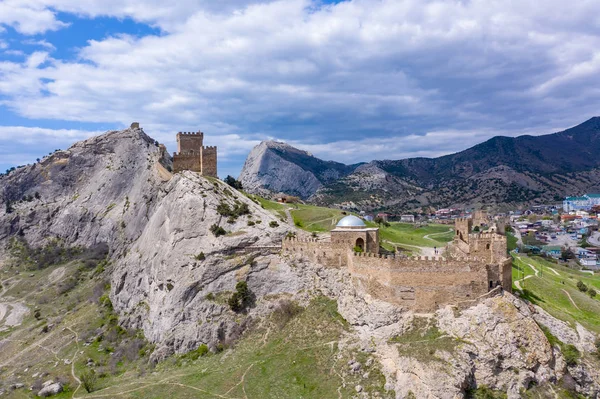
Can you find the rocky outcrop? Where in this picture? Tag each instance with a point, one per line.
(274, 167)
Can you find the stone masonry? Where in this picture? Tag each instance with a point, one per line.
(475, 265)
(193, 155)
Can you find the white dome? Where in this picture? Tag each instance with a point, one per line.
(351, 221)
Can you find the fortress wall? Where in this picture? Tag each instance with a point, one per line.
(186, 162)
(325, 253)
(422, 284)
(209, 161)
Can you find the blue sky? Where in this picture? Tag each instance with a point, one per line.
(349, 81)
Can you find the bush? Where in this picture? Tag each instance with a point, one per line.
(233, 182)
(285, 311)
(251, 223)
(217, 230)
(89, 379)
(200, 256)
(358, 249)
(273, 223)
(238, 209)
(581, 286)
(241, 298)
(592, 292)
(571, 354)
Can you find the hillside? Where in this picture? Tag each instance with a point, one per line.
(120, 278)
(502, 171)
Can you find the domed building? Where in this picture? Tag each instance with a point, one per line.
(353, 231)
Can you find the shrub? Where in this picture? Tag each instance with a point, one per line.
(571, 354)
(592, 292)
(581, 286)
(89, 379)
(358, 249)
(233, 182)
(210, 296)
(285, 311)
(251, 223)
(200, 256)
(241, 298)
(273, 223)
(217, 230)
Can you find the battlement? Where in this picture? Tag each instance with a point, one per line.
(190, 133)
(210, 147)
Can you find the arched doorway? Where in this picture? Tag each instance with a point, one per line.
(360, 243)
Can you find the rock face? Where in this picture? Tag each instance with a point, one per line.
(273, 167)
(50, 390)
(500, 171)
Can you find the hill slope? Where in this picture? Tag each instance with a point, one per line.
(500, 171)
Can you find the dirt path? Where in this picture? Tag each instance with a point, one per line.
(518, 282)
(553, 271)
(428, 236)
(571, 299)
(289, 217)
(73, 362)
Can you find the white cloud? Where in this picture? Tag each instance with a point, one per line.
(381, 73)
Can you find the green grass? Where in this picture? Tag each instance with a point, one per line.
(314, 218)
(546, 290)
(300, 359)
(408, 234)
(272, 206)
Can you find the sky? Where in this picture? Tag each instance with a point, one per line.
(349, 81)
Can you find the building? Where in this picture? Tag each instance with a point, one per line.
(474, 266)
(584, 203)
(193, 155)
(552, 250)
(407, 218)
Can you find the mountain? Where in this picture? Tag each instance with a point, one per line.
(503, 171)
(274, 167)
(122, 279)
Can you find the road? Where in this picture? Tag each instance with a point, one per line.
(594, 239)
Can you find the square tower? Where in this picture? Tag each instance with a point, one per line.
(193, 155)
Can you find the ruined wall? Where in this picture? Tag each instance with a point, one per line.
(422, 284)
(462, 227)
(209, 161)
(325, 253)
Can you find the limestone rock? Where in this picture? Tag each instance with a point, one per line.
(50, 390)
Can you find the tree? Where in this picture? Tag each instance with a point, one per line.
(241, 298)
(581, 286)
(233, 182)
(566, 254)
(88, 379)
(379, 220)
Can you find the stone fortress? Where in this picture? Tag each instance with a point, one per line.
(473, 266)
(193, 155)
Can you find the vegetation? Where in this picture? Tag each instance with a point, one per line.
(432, 235)
(316, 219)
(217, 230)
(241, 298)
(200, 256)
(556, 289)
(239, 209)
(230, 180)
(570, 352)
(89, 380)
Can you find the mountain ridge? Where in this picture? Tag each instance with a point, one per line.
(525, 168)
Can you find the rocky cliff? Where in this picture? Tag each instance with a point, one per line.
(274, 167)
(501, 172)
(171, 276)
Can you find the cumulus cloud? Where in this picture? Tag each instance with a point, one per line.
(379, 77)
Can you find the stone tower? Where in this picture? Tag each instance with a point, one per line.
(193, 155)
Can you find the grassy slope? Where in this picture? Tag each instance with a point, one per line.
(432, 235)
(314, 218)
(298, 359)
(546, 290)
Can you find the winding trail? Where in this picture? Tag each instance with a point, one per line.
(553, 271)
(571, 299)
(73, 362)
(428, 236)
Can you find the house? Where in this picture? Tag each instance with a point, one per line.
(552, 250)
(407, 218)
(383, 216)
